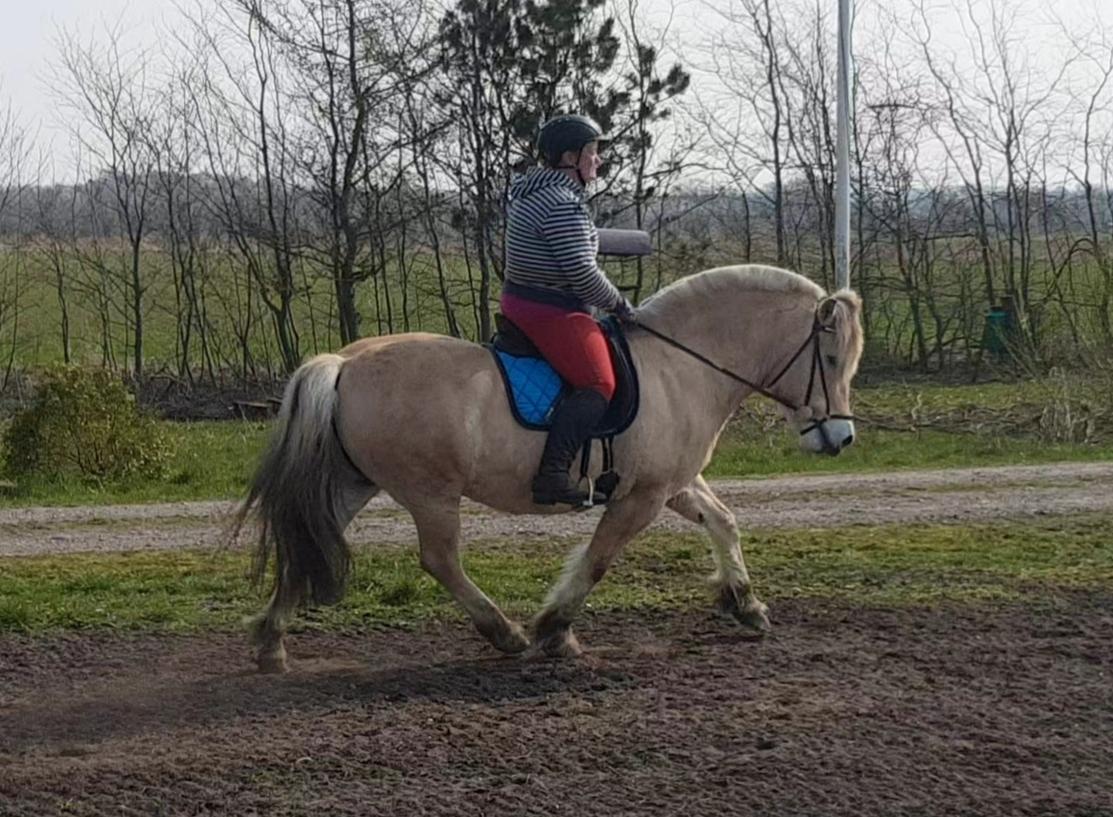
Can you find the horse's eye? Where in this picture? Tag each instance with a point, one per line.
(832, 360)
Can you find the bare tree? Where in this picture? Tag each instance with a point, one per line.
(15, 182)
(424, 128)
(109, 92)
(55, 227)
(650, 171)
(348, 61)
(1096, 50)
(746, 118)
(243, 127)
(175, 147)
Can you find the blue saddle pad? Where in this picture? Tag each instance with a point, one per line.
(535, 389)
(534, 385)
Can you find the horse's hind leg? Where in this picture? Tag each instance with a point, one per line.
(699, 504)
(270, 626)
(438, 530)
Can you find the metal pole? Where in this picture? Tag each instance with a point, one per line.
(842, 147)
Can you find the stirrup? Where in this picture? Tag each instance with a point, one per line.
(573, 496)
(588, 503)
(593, 497)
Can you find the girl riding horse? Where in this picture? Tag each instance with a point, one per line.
(552, 280)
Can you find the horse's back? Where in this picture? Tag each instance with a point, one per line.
(416, 402)
(414, 366)
(409, 342)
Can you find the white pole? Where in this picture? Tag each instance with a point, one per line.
(842, 147)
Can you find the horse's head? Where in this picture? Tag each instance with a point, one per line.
(821, 373)
(810, 341)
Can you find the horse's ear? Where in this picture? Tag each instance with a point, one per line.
(828, 308)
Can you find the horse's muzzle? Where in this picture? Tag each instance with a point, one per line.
(829, 435)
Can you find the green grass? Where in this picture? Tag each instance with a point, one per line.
(38, 335)
(902, 427)
(901, 398)
(738, 456)
(892, 565)
(930, 426)
(211, 460)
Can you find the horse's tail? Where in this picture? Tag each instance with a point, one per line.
(295, 497)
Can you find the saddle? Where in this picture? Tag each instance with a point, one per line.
(534, 388)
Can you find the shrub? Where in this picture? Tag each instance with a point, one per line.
(85, 422)
(1076, 406)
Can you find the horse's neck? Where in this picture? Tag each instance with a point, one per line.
(748, 337)
(691, 383)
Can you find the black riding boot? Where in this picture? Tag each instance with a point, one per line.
(574, 420)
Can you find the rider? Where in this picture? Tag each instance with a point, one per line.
(552, 281)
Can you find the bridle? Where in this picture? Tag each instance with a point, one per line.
(818, 328)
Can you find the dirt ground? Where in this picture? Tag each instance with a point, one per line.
(1003, 711)
(958, 709)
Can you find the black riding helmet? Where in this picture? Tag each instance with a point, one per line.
(566, 132)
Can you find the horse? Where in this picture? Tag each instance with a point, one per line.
(425, 418)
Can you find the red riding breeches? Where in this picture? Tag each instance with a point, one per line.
(570, 341)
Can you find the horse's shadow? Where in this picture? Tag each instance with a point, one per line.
(138, 705)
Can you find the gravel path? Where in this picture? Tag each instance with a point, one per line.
(944, 496)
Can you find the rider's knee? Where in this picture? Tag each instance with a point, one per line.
(605, 386)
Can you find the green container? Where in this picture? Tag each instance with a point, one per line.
(995, 335)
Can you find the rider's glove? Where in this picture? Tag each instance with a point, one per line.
(625, 312)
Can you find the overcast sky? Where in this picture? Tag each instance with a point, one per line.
(28, 34)
(28, 30)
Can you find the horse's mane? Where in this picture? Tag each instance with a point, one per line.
(723, 283)
(848, 327)
(730, 280)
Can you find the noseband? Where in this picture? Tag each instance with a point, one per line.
(817, 366)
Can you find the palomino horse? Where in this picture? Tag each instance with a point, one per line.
(425, 418)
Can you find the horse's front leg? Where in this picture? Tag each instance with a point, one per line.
(736, 598)
(621, 522)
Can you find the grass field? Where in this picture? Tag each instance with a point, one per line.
(935, 426)
(918, 564)
(211, 460)
(405, 297)
(214, 461)
(232, 305)
(902, 426)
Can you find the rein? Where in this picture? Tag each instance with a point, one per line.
(817, 364)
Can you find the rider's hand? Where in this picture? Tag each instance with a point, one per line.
(625, 312)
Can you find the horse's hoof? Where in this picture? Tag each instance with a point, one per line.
(755, 616)
(743, 607)
(560, 644)
(511, 641)
(272, 663)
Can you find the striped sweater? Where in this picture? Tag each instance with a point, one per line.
(551, 244)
